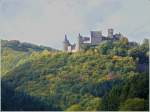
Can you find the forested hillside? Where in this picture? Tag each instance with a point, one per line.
(14, 53)
(111, 76)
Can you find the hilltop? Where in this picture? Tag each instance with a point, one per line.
(14, 51)
(106, 77)
(23, 46)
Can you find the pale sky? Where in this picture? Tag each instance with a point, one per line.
(45, 22)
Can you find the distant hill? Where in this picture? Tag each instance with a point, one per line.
(23, 46)
(102, 78)
(13, 51)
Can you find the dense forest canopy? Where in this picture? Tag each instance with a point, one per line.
(110, 76)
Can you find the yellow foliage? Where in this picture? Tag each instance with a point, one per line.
(115, 58)
(124, 40)
(46, 53)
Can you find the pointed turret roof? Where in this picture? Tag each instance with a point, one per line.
(79, 35)
(66, 40)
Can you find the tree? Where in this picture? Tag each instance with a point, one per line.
(91, 103)
(105, 47)
(134, 104)
(112, 100)
(124, 40)
(140, 52)
(75, 107)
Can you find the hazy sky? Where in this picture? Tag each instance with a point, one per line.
(46, 21)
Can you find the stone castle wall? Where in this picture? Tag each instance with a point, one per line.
(95, 39)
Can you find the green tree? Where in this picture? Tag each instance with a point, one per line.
(105, 47)
(75, 107)
(112, 100)
(90, 103)
(134, 104)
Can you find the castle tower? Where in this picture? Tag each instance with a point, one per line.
(110, 33)
(96, 34)
(96, 37)
(66, 43)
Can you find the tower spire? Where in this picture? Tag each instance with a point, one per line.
(66, 38)
(79, 35)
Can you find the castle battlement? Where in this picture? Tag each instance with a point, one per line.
(95, 39)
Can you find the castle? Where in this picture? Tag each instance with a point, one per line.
(95, 39)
